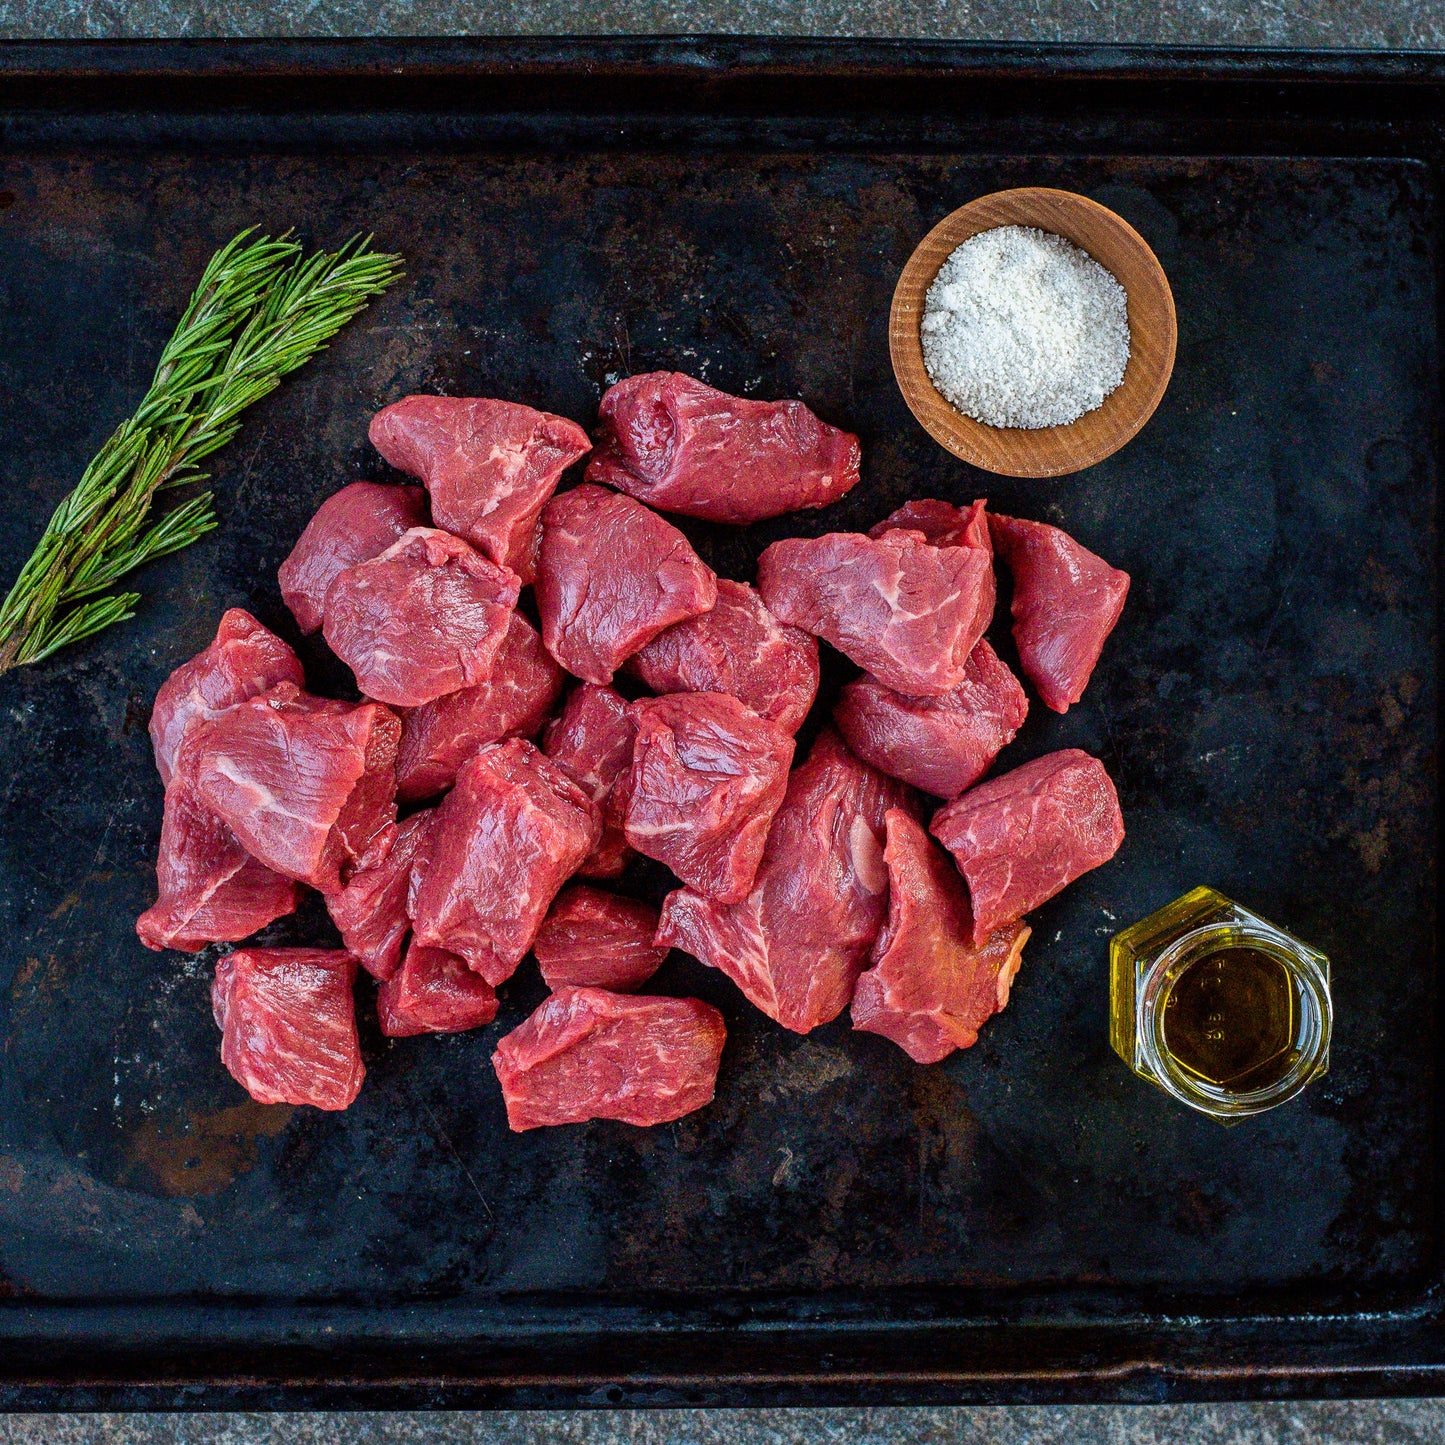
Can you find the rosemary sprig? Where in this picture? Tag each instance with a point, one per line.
(259, 312)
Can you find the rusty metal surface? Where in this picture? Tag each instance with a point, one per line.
(1027, 1220)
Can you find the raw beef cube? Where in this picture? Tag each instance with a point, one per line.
(707, 776)
(424, 618)
(244, 660)
(439, 736)
(371, 911)
(592, 741)
(507, 837)
(1024, 836)
(306, 784)
(930, 989)
(943, 524)
(684, 446)
(353, 525)
(940, 744)
(611, 575)
(1065, 604)
(590, 1054)
(598, 940)
(288, 1025)
(796, 944)
(906, 611)
(740, 648)
(490, 466)
(434, 993)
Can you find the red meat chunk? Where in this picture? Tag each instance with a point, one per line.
(611, 575)
(439, 736)
(1024, 836)
(796, 944)
(598, 940)
(424, 618)
(930, 989)
(940, 744)
(434, 993)
(353, 525)
(906, 611)
(590, 1054)
(707, 776)
(1065, 604)
(507, 837)
(681, 445)
(592, 741)
(739, 648)
(943, 524)
(244, 660)
(371, 911)
(490, 466)
(305, 784)
(288, 1025)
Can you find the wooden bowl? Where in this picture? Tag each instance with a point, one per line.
(1153, 333)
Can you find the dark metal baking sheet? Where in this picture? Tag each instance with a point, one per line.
(1026, 1221)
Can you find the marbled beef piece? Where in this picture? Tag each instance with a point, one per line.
(353, 525)
(434, 992)
(590, 1054)
(1065, 604)
(707, 776)
(1024, 836)
(490, 466)
(518, 697)
(930, 989)
(245, 659)
(681, 445)
(595, 939)
(288, 1025)
(906, 611)
(796, 944)
(424, 618)
(611, 575)
(592, 741)
(306, 784)
(740, 648)
(941, 522)
(507, 837)
(940, 744)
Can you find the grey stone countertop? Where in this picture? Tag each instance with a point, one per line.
(1393, 24)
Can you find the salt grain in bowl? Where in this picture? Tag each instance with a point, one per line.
(1023, 329)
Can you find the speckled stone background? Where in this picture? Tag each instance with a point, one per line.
(1395, 24)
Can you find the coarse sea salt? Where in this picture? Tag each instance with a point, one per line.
(1021, 328)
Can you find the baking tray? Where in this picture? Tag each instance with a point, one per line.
(1027, 1221)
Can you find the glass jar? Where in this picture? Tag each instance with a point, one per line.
(1218, 1007)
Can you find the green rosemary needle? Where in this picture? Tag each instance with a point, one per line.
(259, 312)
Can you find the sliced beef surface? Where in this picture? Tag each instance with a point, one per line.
(507, 837)
(1024, 836)
(940, 744)
(434, 992)
(929, 988)
(424, 618)
(518, 697)
(796, 944)
(371, 912)
(595, 939)
(738, 647)
(943, 524)
(904, 610)
(681, 445)
(707, 776)
(288, 1025)
(611, 575)
(587, 1053)
(490, 466)
(245, 659)
(592, 741)
(353, 525)
(305, 784)
(1066, 602)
